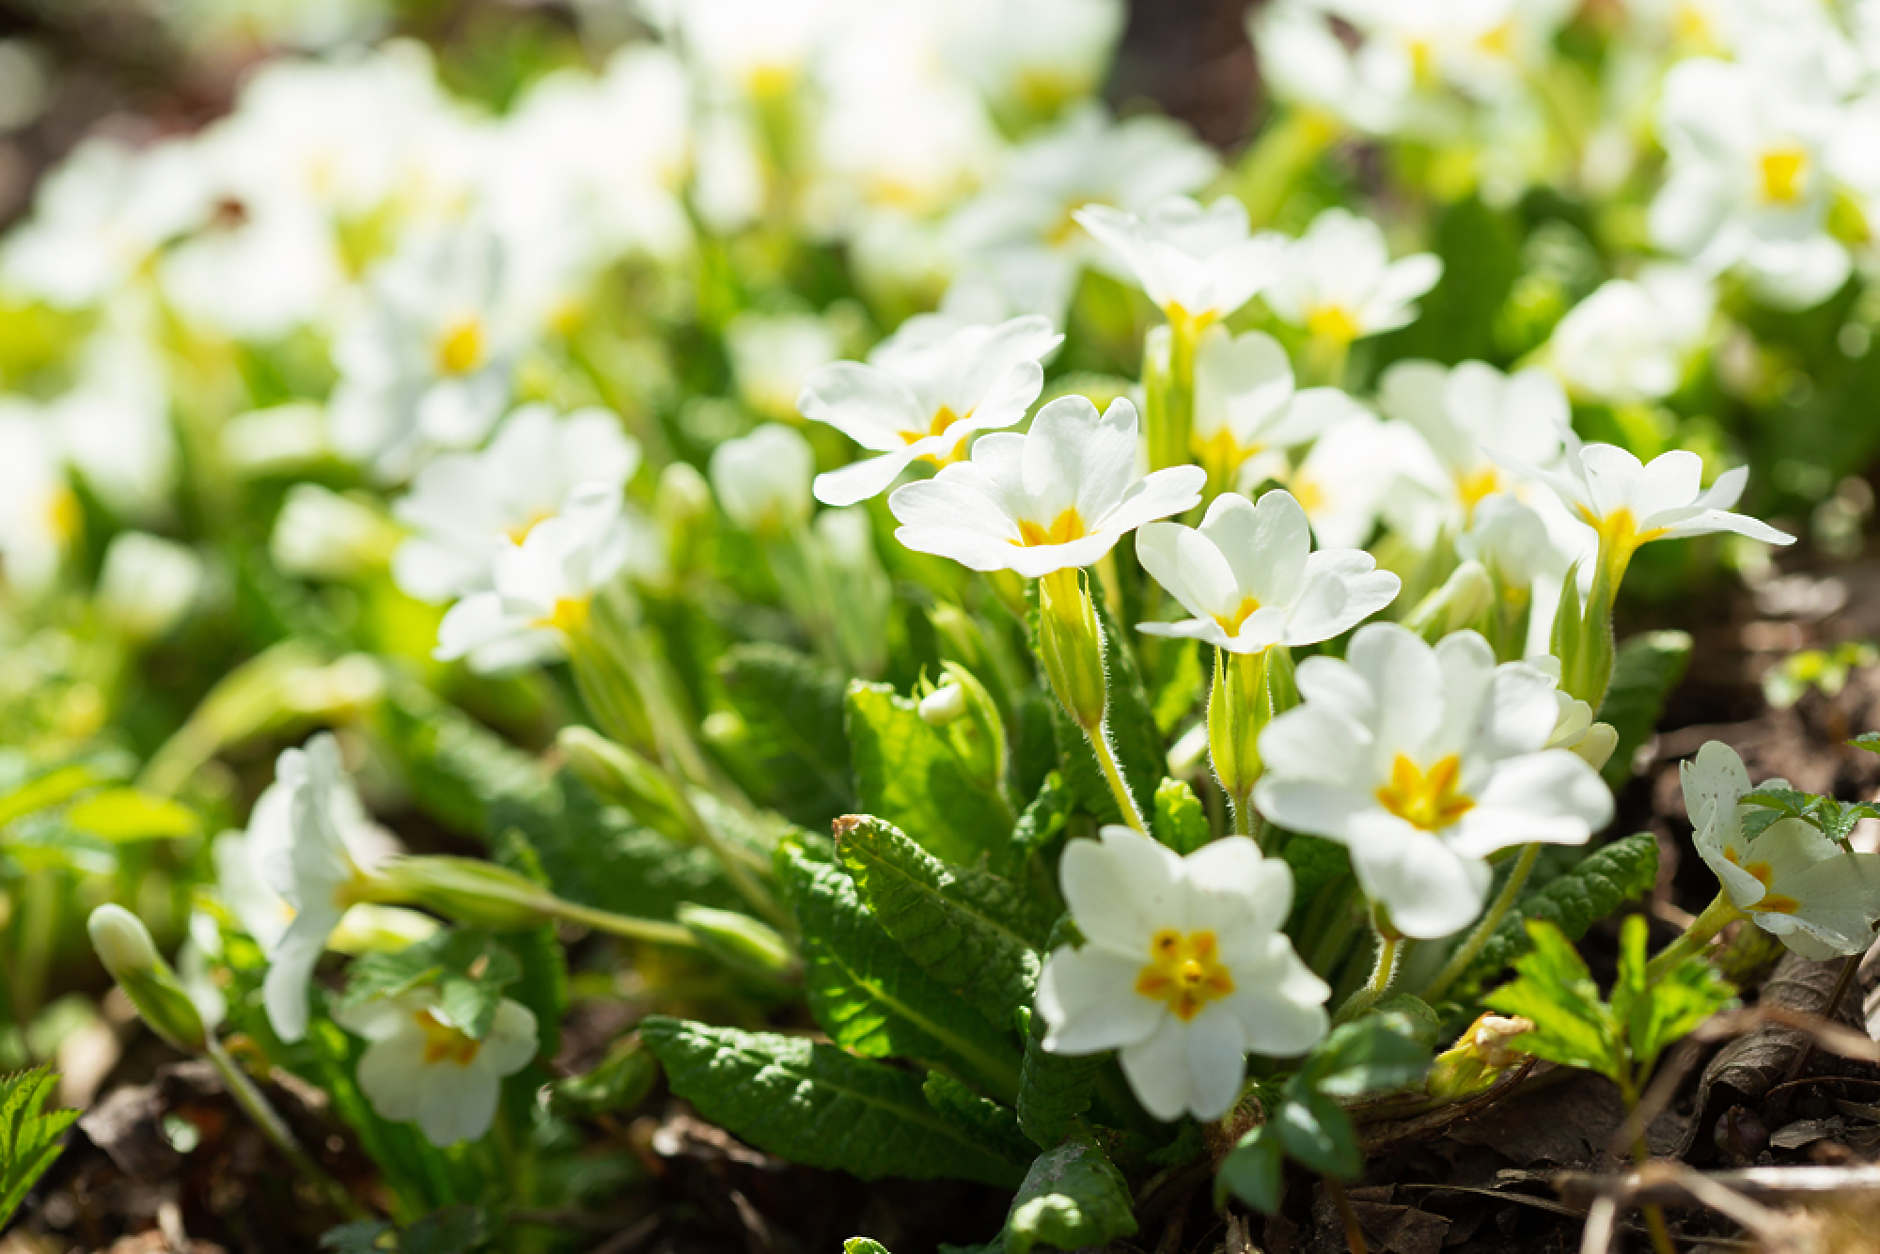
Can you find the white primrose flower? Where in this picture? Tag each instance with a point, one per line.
(423, 1068)
(1185, 968)
(1819, 899)
(1304, 63)
(1346, 476)
(148, 583)
(1059, 496)
(1035, 55)
(460, 503)
(323, 534)
(1198, 265)
(1246, 402)
(1422, 761)
(763, 479)
(1629, 503)
(39, 513)
(542, 588)
(773, 354)
(1251, 580)
(314, 846)
(1632, 338)
(922, 392)
(1338, 281)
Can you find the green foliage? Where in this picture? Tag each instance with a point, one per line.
(1603, 881)
(974, 932)
(1644, 672)
(466, 966)
(992, 1122)
(450, 1230)
(907, 773)
(1835, 819)
(1621, 1040)
(872, 998)
(621, 1080)
(1042, 821)
(31, 1137)
(816, 1105)
(1178, 820)
(127, 814)
(1379, 1051)
(862, 1245)
(794, 733)
(1073, 1197)
(1870, 741)
(1054, 1090)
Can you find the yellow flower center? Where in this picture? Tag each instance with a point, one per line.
(1783, 171)
(1185, 972)
(1334, 323)
(1771, 903)
(569, 615)
(520, 531)
(1426, 799)
(1619, 533)
(1220, 454)
(1308, 493)
(443, 1043)
(1475, 486)
(1066, 527)
(460, 348)
(1230, 623)
(943, 418)
(771, 82)
(1498, 42)
(62, 512)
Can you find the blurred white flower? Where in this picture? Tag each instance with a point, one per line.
(763, 479)
(460, 504)
(922, 392)
(279, 437)
(773, 354)
(147, 583)
(39, 513)
(1184, 968)
(1632, 338)
(1338, 281)
(1034, 56)
(1246, 403)
(542, 588)
(1423, 761)
(1196, 264)
(323, 534)
(1345, 476)
(423, 1068)
(1251, 580)
(1057, 497)
(114, 424)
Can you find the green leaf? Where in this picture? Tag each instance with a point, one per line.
(1253, 1171)
(365, 1236)
(1072, 1198)
(457, 769)
(621, 1080)
(1042, 822)
(1179, 820)
(31, 1137)
(993, 1123)
(816, 1105)
(872, 998)
(1644, 672)
(1870, 741)
(1659, 1014)
(1554, 989)
(1316, 864)
(466, 966)
(58, 785)
(975, 933)
(862, 1245)
(1053, 1089)
(794, 730)
(907, 774)
(1603, 881)
(126, 814)
(1317, 1132)
(452, 1230)
(1364, 1057)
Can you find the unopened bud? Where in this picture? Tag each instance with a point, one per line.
(943, 706)
(1072, 645)
(1465, 597)
(739, 940)
(469, 890)
(124, 946)
(1249, 690)
(1478, 1057)
(1597, 745)
(620, 775)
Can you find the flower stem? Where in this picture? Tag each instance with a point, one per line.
(1706, 925)
(272, 1126)
(1113, 775)
(1246, 822)
(1460, 961)
(1354, 1232)
(654, 931)
(1383, 975)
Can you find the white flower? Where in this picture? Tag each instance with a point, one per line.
(1631, 339)
(1630, 504)
(1423, 761)
(1196, 264)
(1059, 496)
(1460, 411)
(1184, 968)
(922, 392)
(1038, 54)
(147, 583)
(114, 425)
(1246, 402)
(763, 479)
(264, 914)
(322, 534)
(1796, 884)
(542, 588)
(311, 839)
(1346, 475)
(1251, 580)
(422, 1068)
(1304, 62)
(772, 356)
(1338, 281)
(426, 363)
(39, 513)
(461, 503)
(1749, 181)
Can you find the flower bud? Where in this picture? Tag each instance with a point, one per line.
(1072, 646)
(1463, 600)
(469, 890)
(323, 535)
(1597, 745)
(1479, 1057)
(622, 776)
(739, 940)
(1249, 690)
(943, 706)
(966, 713)
(124, 946)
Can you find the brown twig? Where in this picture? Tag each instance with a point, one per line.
(1354, 1232)
(1668, 1184)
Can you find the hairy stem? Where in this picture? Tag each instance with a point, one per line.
(1113, 776)
(1383, 975)
(272, 1126)
(1715, 917)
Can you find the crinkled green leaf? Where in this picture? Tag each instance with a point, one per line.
(1254, 1171)
(994, 1123)
(1602, 881)
(1317, 1133)
(31, 1137)
(974, 932)
(1664, 1011)
(1645, 670)
(1072, 1198)
(456, 768)
(1179, 820)
(1053, 1089)
(1316, 863)
(819, 1106)
(872, 998)
(1572, 1026)
(467, 966)
(1041, 823)
(794, 730)
(907, 774)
